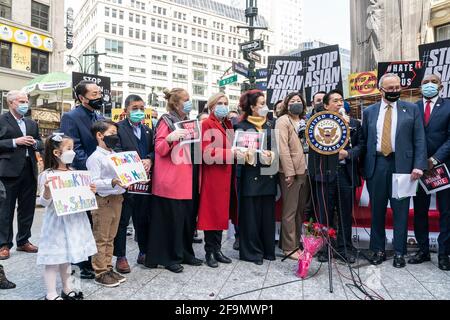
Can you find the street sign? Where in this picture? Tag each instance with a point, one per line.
(255, 45)
(240, 68)
(252, 56)
(261, 86)
(262, 73)
(227, 81)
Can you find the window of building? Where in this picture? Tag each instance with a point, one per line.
(144, 20)
(144, 35)
(5, 54)
(121, 15)
(107, 27)
(131, 17)
(39, 15)
(107, 11)
(138, 34)
(114, 29)
(131, 33)
(114, 13)
(138, 19)
(114, 46)
(39, 62)
(199, 90)
(5, 9)
(443, 33)
(120, 30)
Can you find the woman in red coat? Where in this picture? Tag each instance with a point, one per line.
(218, 197)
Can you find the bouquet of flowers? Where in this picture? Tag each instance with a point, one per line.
(313, 239)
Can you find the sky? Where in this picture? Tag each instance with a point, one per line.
(328, 21)
(324, 20)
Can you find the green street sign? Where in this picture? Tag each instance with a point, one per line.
(229, 80)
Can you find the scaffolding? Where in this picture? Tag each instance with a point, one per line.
(387, 30)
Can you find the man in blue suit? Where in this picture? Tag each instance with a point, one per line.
(436, 117)
(77, 125)
(393, 142)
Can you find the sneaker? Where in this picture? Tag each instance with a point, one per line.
(72, 295)
(141, 259)
(130, 230)
(117, 276)
(107, 280)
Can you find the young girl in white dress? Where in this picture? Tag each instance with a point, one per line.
(64, 239)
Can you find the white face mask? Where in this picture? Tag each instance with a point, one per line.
(67, 157)
(264, 111)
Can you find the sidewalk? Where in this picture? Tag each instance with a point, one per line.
(203, 283)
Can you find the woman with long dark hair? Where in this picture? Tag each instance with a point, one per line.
(258, 184)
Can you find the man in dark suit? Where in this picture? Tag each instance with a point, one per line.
(394, 143)
(338, 184)
(134, 136)
(77, 125)
(19, 141)
(436, 117)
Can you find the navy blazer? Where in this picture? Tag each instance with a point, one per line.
(410, 143)
(77, 125)
(12, 160)
(128, 141)
(437, 131)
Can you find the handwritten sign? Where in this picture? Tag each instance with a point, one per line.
(128, 167)
(245, 140)
(193, 127)
(436, 180)
(71, 192)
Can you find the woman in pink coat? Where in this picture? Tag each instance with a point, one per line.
(172, 222)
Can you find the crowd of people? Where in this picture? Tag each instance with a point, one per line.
(204, 185)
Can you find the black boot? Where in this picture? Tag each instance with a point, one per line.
(221, 258)
(5, 284)
(211, 261)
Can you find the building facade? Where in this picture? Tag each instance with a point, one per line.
(440, 20)
(153, 45)
(31, 42)
(345, 55)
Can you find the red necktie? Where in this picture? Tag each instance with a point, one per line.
(427, 112)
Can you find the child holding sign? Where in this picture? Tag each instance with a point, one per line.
(109, 199)
(64, 239)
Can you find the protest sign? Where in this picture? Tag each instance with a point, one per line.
(140, 188)
(409, 72)
(363, 84)
(71, 192)
(436, 60)
(245, 140)
(310, 72)
(435, 180)
(193, 127)
(128, 167)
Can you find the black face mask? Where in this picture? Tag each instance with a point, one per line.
(319, 107)
(111, 141)
(392, 96)
(96, 104)
(296, 109)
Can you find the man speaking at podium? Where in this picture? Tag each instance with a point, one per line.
(339, 183)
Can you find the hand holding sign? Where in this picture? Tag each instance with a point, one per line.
(177, 135)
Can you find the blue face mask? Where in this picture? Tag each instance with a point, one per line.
(430, 90)
(137, 116)
(187, 107)
(221, 111)
(23, 108)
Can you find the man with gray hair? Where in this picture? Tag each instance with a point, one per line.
(19, 141)
(393, 143)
